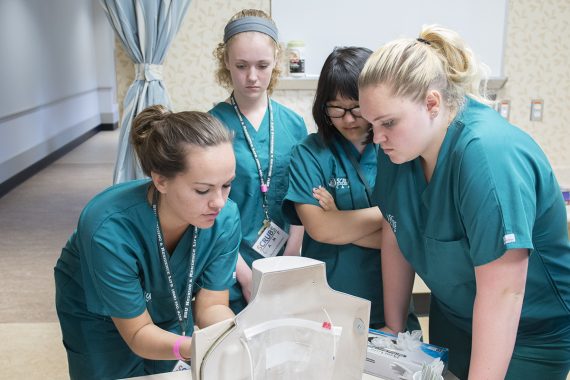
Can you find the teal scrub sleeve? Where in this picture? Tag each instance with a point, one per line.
(497, 200)
(112, 268)
(219, 270)
(305, 173)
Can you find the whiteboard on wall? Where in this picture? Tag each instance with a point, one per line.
(324, 24)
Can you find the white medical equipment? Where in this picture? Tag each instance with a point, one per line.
(295, 327)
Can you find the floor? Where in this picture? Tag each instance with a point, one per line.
(36, 218)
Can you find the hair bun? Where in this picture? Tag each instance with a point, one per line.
(144, 123)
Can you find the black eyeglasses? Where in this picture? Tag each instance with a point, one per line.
(339, 112)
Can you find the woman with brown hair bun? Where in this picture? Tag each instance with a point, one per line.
(144, 249)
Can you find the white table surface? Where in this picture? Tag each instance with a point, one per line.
(187, 375)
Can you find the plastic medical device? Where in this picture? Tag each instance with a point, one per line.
(295, 327)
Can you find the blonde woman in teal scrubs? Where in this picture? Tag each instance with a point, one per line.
(265, 132)
(471, 205)
(143, 249)
(332, 174)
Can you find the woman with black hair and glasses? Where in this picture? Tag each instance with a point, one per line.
(331, 177)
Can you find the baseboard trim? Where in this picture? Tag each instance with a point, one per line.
(108, 126)
(17, 179)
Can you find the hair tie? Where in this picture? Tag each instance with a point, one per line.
(423, 41)
(250, 24)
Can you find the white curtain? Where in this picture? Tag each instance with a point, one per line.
(146, 28)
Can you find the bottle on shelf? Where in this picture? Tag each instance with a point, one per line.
(296, 58)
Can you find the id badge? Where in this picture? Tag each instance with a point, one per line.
(181, 366)
(270, 241)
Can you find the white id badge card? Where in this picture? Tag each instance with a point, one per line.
(181, 366)
(270, 241)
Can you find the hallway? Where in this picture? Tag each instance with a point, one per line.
(36, 219)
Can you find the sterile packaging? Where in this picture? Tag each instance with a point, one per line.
(399, 357)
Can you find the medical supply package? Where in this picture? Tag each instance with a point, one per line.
(399, 357)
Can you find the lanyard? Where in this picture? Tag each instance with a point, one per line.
(264, 185)
(182, 317)
(355, 165)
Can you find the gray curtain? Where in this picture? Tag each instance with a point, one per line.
(146, 28)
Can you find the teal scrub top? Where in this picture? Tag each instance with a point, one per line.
(492, 190)
(111, 267)
(290, 129)
(350, 269)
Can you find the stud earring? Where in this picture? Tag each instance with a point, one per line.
(434, 114)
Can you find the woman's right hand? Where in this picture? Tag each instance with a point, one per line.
(244, 278)
(245, 284)
(326, 200)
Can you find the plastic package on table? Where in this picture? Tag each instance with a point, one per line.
(399, 357)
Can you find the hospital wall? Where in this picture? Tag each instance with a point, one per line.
(536, 59)
(57, 79)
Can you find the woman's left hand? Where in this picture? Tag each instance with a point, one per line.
(326, 200)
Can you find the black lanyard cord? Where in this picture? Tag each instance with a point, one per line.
(181, 315)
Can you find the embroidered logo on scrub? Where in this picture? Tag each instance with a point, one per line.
(390, 218)
(147, 297)
(509, 238)
(339, 183)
